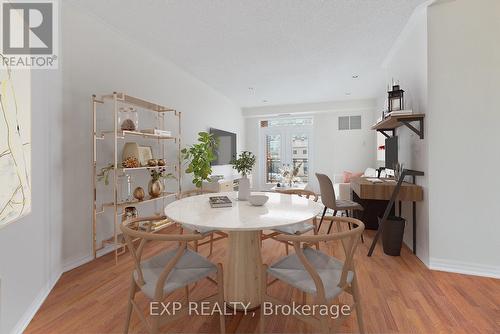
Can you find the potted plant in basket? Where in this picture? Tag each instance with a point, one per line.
(244, 165)
(200, 156)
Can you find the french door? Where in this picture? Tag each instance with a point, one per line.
(285, 147)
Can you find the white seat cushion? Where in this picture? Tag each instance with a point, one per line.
(345, 204)
(299, 228)
(190, 268)
(290, 270)
(200, 229)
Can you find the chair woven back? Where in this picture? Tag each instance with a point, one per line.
(141, 237)
(349, 241)
(301, 192)
(327, 192)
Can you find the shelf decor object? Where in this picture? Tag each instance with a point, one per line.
(128, 118)
(396, 99)
(122, 112)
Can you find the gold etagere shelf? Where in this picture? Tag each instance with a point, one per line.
(118, 136)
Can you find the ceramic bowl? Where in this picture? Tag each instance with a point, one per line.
(257, 200)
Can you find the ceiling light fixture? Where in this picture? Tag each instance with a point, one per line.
(355, 76)
(347, 93)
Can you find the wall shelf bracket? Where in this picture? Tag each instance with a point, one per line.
(384, 132)
(419, 131)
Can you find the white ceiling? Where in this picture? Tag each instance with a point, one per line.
(288, 51)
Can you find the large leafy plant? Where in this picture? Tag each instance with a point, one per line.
(199, 156)
(245, 162)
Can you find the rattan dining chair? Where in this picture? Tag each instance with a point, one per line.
(330, 202)
(318, 274)
(295, 229)
(160, 275)
(206, 232)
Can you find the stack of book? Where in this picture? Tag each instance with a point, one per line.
(158, 132)
(220, 202)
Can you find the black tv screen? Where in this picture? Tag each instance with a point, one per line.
(226, 151)
(391, 152)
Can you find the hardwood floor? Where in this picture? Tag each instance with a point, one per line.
(400, 295)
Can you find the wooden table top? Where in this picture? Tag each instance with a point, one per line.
(365, 189)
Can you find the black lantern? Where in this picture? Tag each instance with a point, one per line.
(396, 99)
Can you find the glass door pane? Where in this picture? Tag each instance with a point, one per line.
(300, 156)
(273, 158)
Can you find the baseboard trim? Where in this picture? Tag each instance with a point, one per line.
(70, 265)
(87, 258)
(466, 268)
(106, 250)
(37, 303)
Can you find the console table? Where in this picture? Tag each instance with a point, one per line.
(378, 200)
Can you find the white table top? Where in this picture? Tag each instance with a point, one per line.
(280, 210)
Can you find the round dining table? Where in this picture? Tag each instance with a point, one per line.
(244, 224)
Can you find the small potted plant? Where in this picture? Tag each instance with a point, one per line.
(200, 157)
(103, 175)
(244, 165)
(155, 186)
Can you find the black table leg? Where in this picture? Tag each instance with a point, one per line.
(322, 216)
(414, 228)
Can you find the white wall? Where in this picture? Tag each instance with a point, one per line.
(333, 151)
(463, 129)
(30, 248)
(407, 62)
(100, 60)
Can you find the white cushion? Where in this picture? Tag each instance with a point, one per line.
(299, 228)
(200, 229)
(190, 268)
(290, 270)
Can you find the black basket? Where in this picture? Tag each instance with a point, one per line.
(392, 236)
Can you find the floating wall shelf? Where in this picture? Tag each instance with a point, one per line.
(395, 121)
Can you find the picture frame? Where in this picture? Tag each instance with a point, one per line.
(145, 154)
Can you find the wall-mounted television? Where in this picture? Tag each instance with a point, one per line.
(226, 150)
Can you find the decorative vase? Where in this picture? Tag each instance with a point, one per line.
(139, 193)
(244, 188)
(128, 119)
(155, 188)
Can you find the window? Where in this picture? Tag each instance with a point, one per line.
(278, 122)
(294, 151)
(304, 151)
(349, 122)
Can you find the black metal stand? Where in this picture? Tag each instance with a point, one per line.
(395, 193)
